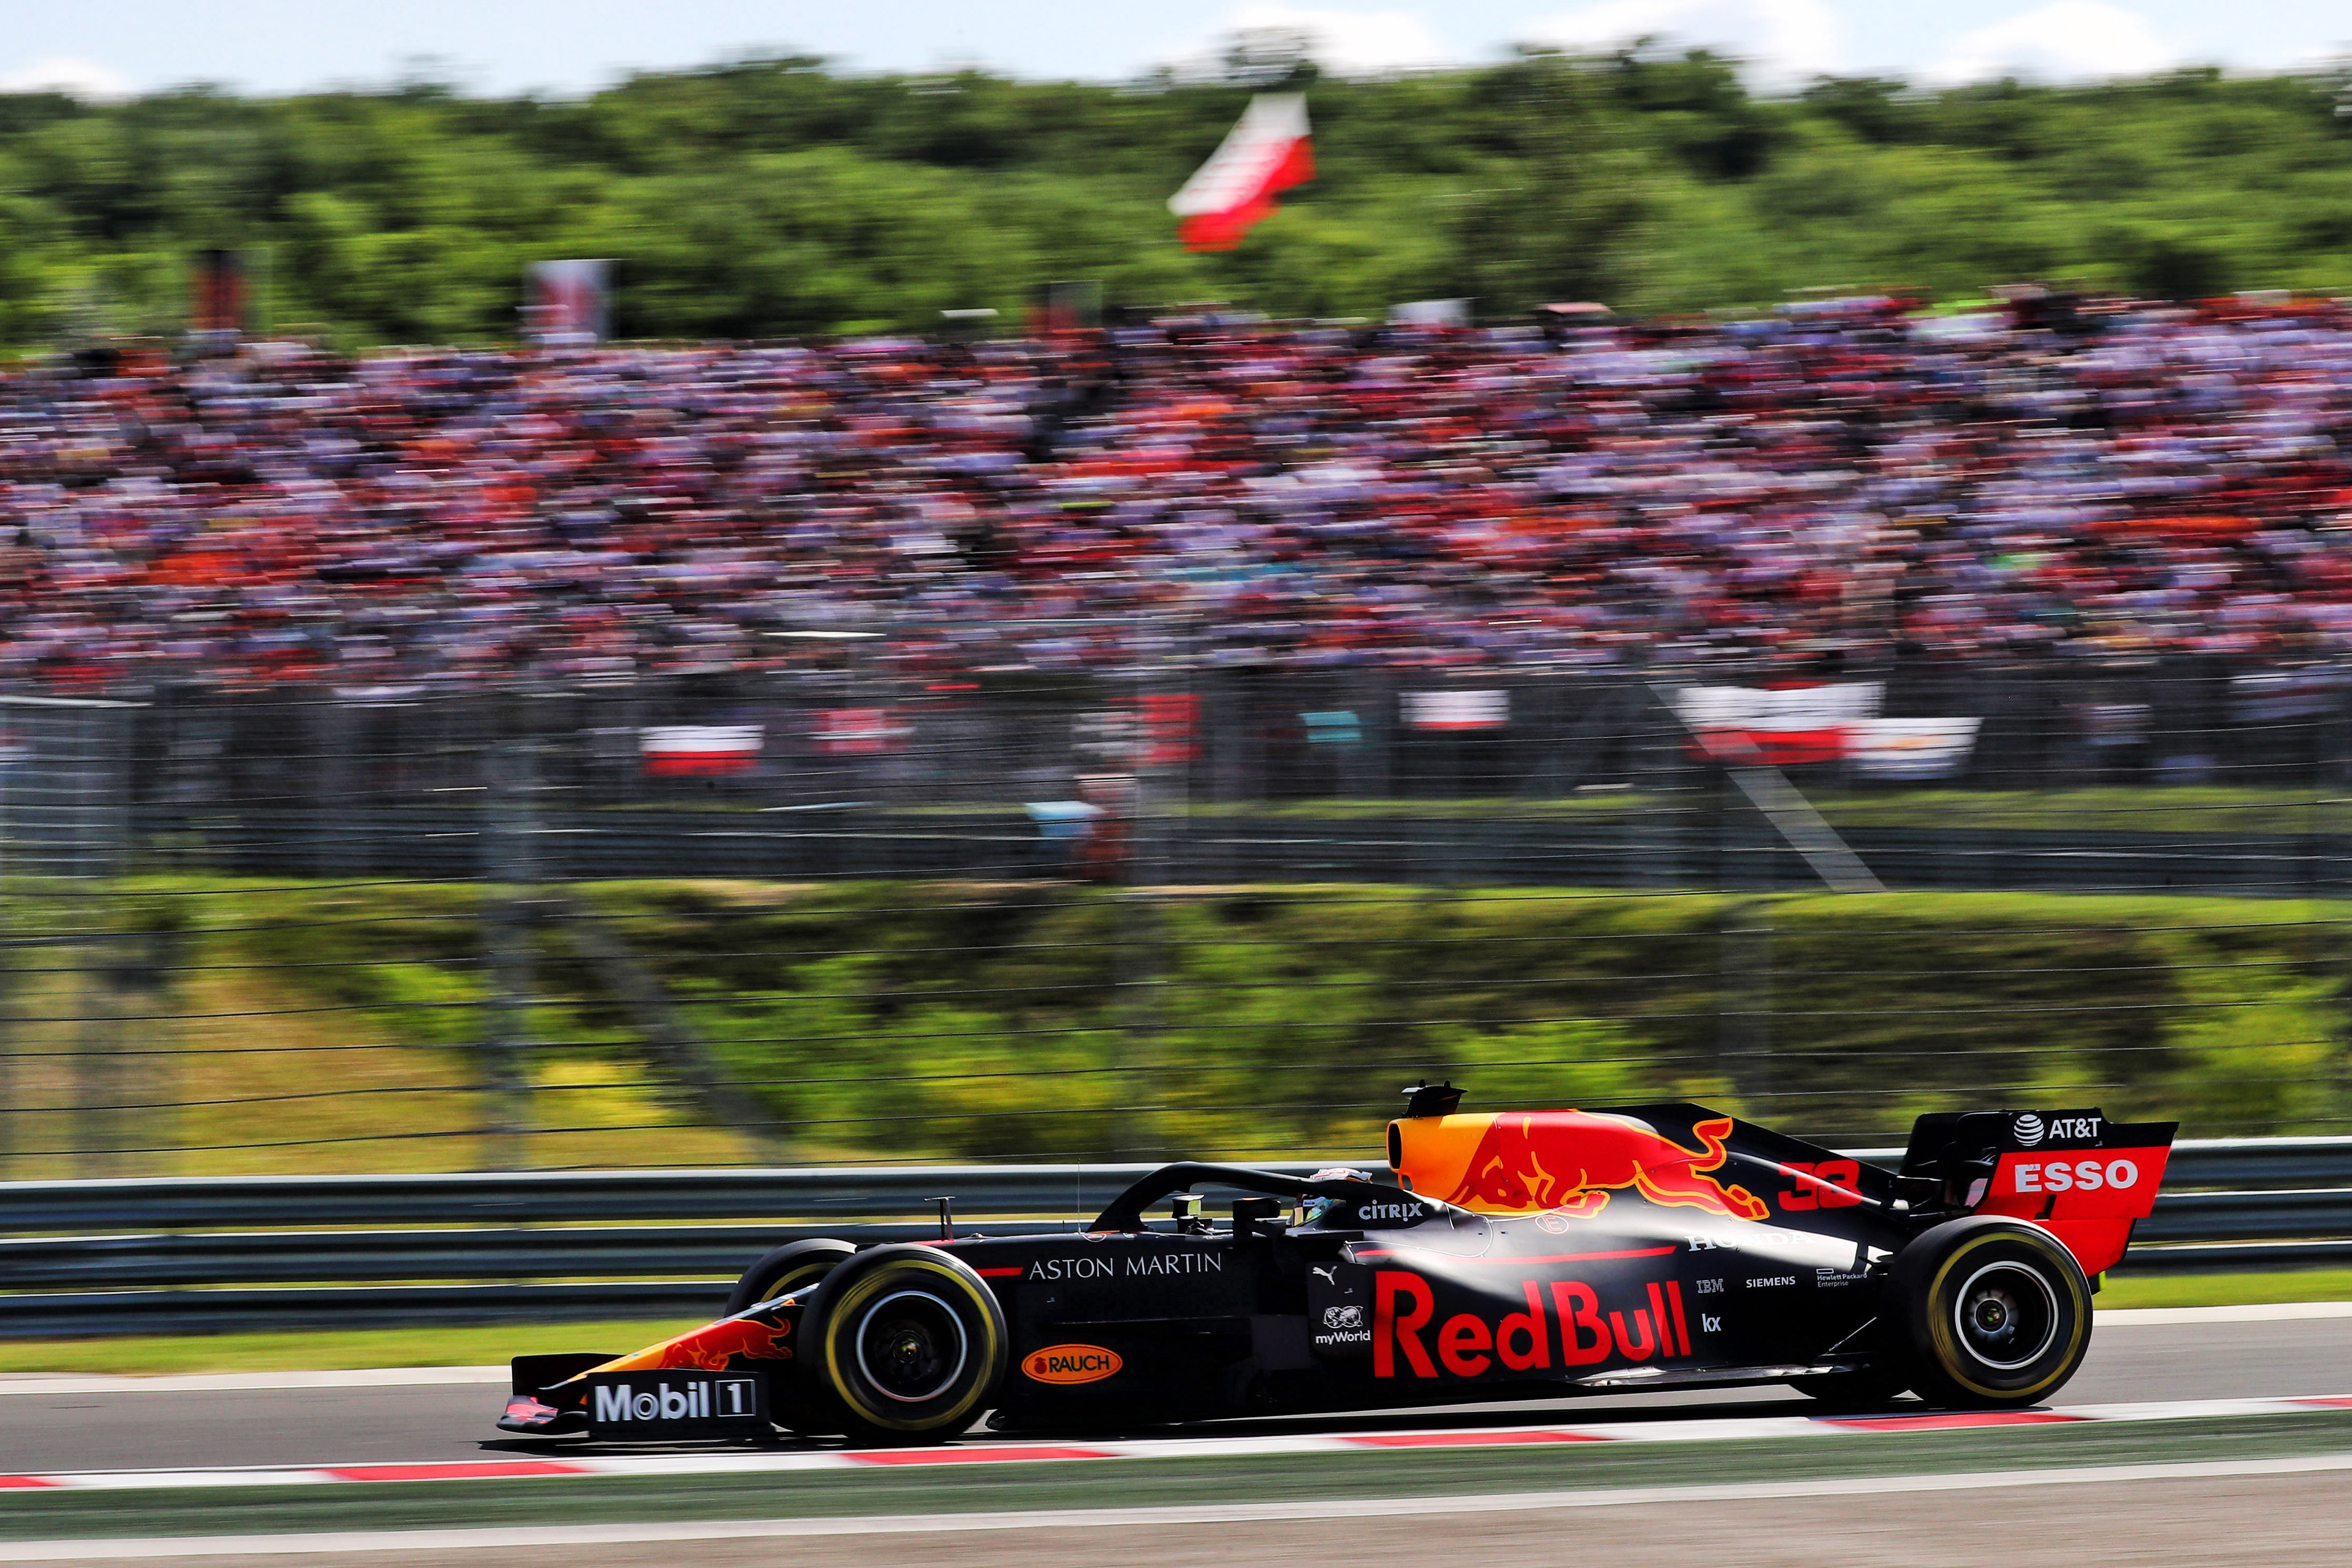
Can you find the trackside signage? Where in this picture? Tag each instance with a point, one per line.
(672, 1403)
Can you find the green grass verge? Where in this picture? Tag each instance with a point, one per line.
(326, 1352)
(2226, 1289)
(1131, 1483)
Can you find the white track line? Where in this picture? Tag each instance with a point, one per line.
(737, 1461)
(540, 1538)
(215, 1381)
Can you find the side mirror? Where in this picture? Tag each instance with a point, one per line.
(1255, 1217)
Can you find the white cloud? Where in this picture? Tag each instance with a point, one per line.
(1784, 39)
(1348, 43)
(85, 79)
(2065, 40)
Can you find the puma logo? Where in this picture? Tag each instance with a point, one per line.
(1332, 1273)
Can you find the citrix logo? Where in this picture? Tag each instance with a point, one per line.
(1390, 1211)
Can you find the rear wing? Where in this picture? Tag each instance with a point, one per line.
(2085, 1179)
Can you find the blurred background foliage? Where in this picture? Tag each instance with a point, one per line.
(776, 195)
(898, 1020)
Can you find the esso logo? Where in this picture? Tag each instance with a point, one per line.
(2081, 1175)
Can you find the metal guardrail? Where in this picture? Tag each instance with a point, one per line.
(1501, 850)
(549, 1197)
(209, 1254)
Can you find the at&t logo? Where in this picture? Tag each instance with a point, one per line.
(2027, 1129)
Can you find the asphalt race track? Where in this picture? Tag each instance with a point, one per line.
(95, 1425)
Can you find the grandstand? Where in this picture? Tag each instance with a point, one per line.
(1846, 485)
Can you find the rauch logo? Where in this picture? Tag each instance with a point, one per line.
(1071, 1363)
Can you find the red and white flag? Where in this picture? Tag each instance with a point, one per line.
(1267, 152)
(685, 751)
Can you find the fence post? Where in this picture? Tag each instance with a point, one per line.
(510, 776)
(1653, 823)
(1744, 1000)
(329, 734)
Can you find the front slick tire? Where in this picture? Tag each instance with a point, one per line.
(795, 1266)
(906, 1343)
(1998, 1313)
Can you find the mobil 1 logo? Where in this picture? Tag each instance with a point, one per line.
(671, 1404)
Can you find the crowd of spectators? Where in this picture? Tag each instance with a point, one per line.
(1848, 481)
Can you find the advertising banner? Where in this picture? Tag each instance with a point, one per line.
(1911, 748)
(569, 302)
(1775, 726)
(1457, 709)
(859, 732)
(700, 751)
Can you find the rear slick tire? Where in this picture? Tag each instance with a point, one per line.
(1998, 1313)
(905, 1344)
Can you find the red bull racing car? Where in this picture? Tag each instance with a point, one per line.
(1506, 1256)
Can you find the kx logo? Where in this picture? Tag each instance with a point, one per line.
(701, 1400)
(1707, 1325)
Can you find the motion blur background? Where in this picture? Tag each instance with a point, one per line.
(1829, 597)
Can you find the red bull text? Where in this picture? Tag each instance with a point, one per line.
(1563, 1318)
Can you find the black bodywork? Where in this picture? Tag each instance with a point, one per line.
(1384, 1298)
(1767, 1263)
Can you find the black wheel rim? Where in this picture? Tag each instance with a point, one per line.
(911, 1346)
(2006, 1316)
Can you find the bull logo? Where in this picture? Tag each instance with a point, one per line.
(1568, 1161)
(710, 1348)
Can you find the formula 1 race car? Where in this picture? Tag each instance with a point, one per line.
(1517, 1255)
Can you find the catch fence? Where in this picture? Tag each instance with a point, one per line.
(859, 909)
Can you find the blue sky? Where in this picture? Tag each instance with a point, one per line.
(104, 48)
